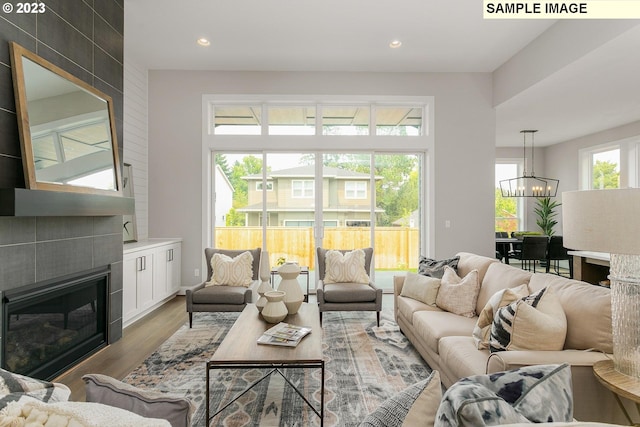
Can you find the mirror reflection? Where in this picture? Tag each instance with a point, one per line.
(66, 128)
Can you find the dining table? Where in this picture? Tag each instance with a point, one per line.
(503, 245)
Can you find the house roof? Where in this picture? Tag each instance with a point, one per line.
(309, 172)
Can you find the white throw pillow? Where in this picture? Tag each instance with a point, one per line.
(458, 295)
(347, 268)
(421, 288)
(535, 322)
(229, 271)
(482, 330)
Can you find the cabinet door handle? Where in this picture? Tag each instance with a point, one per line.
(144, 262)
(171, 254)
(139, 263)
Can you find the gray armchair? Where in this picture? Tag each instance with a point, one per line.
(347, 296)
(223, 298)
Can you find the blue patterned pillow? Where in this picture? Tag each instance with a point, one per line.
(434, 268)
(517, 396)
(415, 405)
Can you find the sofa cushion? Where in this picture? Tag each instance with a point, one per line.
(430, 326)
(470, 262)
(461, 356)
(346, 267)
(415, 405)
(232, 253)
(219, 295)
(515, 396)
(535, 322)
(348, 292)
(458, 295)
(408, 306)
(421, 288)
(587, 308)
(148, 403)
(228, 271)
(435, 268)
(482, 330)
(500, 276)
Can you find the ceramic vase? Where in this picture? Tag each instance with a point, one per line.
(274, 310)
(265, 285)
(289, 272)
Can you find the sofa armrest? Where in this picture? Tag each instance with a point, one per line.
(150, 404)
(398, 283)
(506, 360)
(189, 294)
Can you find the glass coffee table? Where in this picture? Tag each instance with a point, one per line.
(240, 350)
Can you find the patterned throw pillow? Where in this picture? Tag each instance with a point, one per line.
(19, 388)
(347, 268)
(415, 405)
(517, 396)
(421, 288)
(535, 322)
(482, 330)
(229, 271)
(434, 268)
(458, 295)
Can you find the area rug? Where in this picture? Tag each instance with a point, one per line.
(364, 365)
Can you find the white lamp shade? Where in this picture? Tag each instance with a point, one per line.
(602, 220)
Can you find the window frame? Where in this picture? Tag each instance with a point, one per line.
(354, 192)
(304, 189)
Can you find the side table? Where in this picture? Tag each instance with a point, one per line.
(620, 384)
(304, 271)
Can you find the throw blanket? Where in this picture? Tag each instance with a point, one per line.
(29, 412)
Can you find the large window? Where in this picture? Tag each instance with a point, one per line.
(508, 209)
(600, 167)
(329, 175)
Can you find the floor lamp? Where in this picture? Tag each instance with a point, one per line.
(609, 221)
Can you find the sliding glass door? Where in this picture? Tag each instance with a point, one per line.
(294, 204)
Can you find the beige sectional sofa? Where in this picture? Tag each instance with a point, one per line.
(445, 339)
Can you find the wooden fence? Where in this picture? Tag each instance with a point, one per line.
(395, 248)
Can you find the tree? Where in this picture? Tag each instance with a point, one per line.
(250, 165)
(506, 213)
(605, 175)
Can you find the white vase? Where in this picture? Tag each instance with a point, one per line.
(274, 310)
(265, 285)
(294, 297)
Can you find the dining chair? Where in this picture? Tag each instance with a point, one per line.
(533, 250)
(556, 253)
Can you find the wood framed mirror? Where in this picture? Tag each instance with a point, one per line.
(67, 129)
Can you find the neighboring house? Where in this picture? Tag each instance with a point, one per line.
(223, 196)
(346, 198)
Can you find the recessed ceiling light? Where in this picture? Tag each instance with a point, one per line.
(203, 41)
(395, 44)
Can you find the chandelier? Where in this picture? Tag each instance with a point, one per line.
(529, 185)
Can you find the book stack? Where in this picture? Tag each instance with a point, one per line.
(284, 334)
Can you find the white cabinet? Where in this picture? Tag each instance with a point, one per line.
(151, 276)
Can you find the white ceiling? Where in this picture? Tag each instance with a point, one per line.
(596, 92)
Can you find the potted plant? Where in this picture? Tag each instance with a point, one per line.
(546, 212)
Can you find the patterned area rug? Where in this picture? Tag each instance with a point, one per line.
(364, 365)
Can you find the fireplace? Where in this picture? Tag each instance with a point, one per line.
(50, 326)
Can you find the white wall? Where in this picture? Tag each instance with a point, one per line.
(562, 160)
(464, 147)
(135, 131)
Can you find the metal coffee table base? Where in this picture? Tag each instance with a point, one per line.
(275, 367)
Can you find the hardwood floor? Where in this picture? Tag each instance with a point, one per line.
(138, 342)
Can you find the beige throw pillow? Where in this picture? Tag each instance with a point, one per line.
(482, 330)
(458, 295)
(421, 288)
(229, 271)
(535, 322)
(347, 268)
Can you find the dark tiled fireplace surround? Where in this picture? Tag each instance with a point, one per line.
(42, 250)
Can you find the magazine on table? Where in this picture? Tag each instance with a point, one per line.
(284, 334)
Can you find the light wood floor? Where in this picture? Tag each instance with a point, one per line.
(139, 340)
